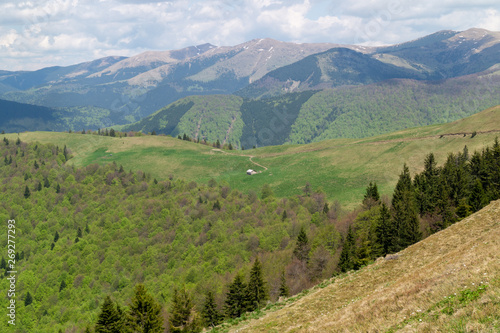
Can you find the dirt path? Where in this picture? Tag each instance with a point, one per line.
(249, 156)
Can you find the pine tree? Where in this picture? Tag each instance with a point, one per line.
(478, 197)
(326, 209)
(58, 188)
(386, 234)
(46, 182)
(183, 317)
(217, 144)
(112, 133)
(234, 305)
(283, 291)
(211, 315)
(62, 285)
(347, 256)
(3, 264)
(284, 215)
(256, 290)
(28, 300)
(372, 197)
(27, 192)
(302, 247)
(79, 233)
(144, 313)
(110, 319)
(405, 212)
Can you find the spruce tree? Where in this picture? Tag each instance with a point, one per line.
(110, 319)
(210, 314)
(283, 291)
(302, 247)
(62, 285)
(347, 256)
(56, 237)
(256, 290)
(144, 314)
(79, 233)
(235, 302)
(28, 300)
(386, 234)
(404, 212)
(372, 197)
(27, 192)
(183, 317)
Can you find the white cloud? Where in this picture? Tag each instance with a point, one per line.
(36, 33)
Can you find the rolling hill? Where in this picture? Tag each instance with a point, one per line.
(310, 116)
(341, 167)
(449, 282)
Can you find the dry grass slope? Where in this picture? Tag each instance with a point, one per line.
(449, 282)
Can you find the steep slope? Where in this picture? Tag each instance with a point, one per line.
(448, 282)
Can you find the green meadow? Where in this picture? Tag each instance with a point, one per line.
(342, 168)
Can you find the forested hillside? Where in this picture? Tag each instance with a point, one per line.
(310, 116)
(76, 228)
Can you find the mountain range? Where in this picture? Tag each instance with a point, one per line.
(443, 76)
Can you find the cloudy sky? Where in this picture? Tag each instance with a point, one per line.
(40, 33)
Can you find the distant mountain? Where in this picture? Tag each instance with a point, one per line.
(309, 116)
(123, 90)
(443, 55)
(137, 86)
(20, 117)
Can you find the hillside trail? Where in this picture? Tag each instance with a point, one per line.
(249, 156)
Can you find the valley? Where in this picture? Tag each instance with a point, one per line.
(341, 167)
(373, 204)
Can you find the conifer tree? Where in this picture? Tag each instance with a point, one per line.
(235, 298)
(79, 233)
(404, 212)
(183, 317)
(110, 319)
(3, 263)
(211, 315)
(27, 192)
(46, 182)
(302, 247)
(326, 209)
(144, 314)
(28, 300)
(256, 290)
(348, 254)
(58, 188)
(386, 234)
(284, 215)
(372, 197)
(283, 291)
(217, 144)
(62, 285)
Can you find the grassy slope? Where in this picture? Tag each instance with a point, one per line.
(449, 282)
(342, 167)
